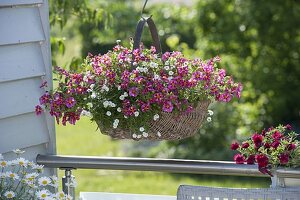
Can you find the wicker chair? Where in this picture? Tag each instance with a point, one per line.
(187, 192)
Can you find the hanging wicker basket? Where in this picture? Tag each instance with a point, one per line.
(170, 126)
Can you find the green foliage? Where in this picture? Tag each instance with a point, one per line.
(80, 11)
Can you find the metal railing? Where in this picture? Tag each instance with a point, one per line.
(68, 163)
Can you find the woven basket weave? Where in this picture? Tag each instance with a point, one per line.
(170, 125)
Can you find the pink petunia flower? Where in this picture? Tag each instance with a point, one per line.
(167, 106)
(70, 102)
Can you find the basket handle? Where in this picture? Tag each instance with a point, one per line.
(153, 31)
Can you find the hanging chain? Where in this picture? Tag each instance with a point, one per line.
(144, 7)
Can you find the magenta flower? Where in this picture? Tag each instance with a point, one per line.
(239, 159)
(277, 135)
(133, 92)
(145, 107)
(291, 147)
(245, 145)
(38, 110)
(257, 139)
(197, 75)
(284, 158)
(275, 144)
(70, 102)
(234, 146)
(251, 160)
(157, 97)
(262, 160)
(288, 127)
(44, 99)
(167, 106)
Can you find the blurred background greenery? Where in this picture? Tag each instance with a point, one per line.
(258, 42)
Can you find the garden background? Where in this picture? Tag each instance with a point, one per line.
(258, 42)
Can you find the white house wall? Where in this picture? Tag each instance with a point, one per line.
(25, 61)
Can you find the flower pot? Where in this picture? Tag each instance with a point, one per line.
(292, 181)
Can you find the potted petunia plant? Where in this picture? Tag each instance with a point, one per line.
(271, 149)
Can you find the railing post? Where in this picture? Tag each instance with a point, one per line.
(68, 183)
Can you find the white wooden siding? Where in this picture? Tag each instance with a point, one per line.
(25, 60)
(21, 61)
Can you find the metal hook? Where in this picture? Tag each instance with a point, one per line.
(144, 7)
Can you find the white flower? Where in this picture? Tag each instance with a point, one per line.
(116, 123)
(18, 151)
(119, 87)
(44, 181)
(60, 195)
(210, 112)
(113, 105)
(37, 167)
(134, 135)
(105, 104)
(86, 113)
(54, 181)
(171, 73)
(155, 117)
(167, 67)
(209, 119)
(122, 97)
(93, 95)
(119, 109)
(31, 176)
(145, 69)
(30, 183)
(158, 134)
(9, 194)
(104, 88)
(3, 163)
(22, 162)
(142, 129)
(42, 194)
(136, 113)
(92, 86)
(108, 113)
(139, 136)
(1, 157)
(12, 175)
(125, 117)
(12, 162)
(125, 94)
(118, 41)
(120, 61)
(145, 134)
(170, 78)
(156, 77)
(153, 65)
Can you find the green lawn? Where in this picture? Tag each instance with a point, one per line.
(84, 139)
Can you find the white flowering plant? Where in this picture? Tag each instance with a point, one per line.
(22, 179)
(129, 89)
